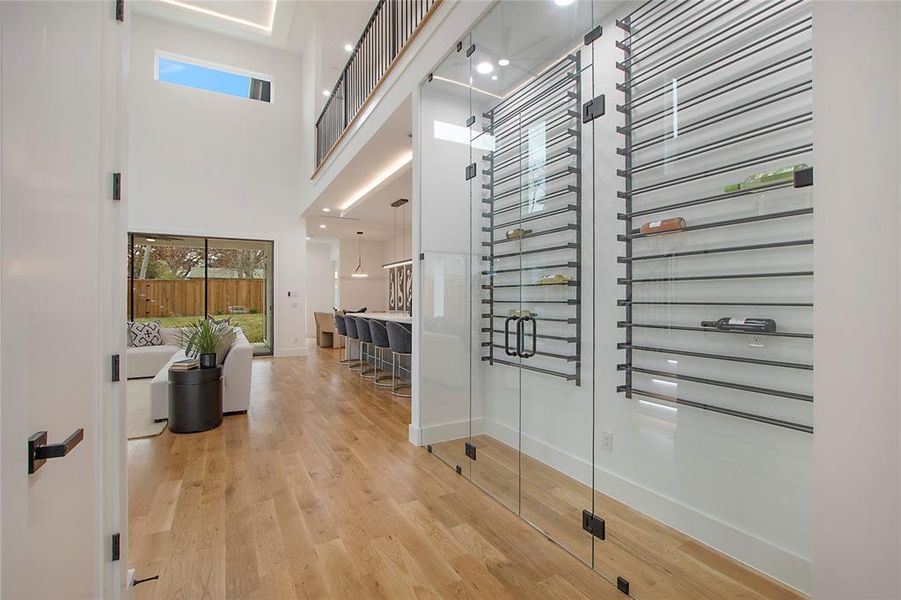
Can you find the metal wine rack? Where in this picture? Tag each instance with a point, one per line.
(721, 92)
(532, 180)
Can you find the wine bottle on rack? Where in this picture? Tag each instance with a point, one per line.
(674, 224)
(742, 324)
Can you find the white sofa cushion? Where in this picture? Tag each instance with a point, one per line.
(146, 361)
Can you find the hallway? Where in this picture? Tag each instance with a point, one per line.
(316, 493)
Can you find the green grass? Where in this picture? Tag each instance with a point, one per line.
(252, 325)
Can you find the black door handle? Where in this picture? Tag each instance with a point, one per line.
(39, 450)
(507, 336)
(521, 337)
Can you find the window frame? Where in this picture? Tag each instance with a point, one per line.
(207, 64)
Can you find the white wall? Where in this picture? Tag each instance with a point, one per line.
(320, 282)
(856, 445)
(209, 164)
(372, 291)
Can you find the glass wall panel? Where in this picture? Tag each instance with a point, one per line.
(167, 279)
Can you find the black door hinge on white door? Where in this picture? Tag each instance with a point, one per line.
(117, 186)
(470, 171)
(593, 109)
(114, 368)
(120, 10)
(594, 525)
(470, 450)
(114, 548)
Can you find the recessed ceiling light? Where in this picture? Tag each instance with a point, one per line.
(348, 48)
(563, 2)
(308, 237)
(322, 227)
(484, 67)
(494, 78)
(326, 209)
(326, 93)
(504, 62)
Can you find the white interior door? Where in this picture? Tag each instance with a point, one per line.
(57, 241)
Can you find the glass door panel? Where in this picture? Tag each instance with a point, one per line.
(703, 452)
(167, 279)
(446, 268)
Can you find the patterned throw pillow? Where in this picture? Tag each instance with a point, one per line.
(145, 334)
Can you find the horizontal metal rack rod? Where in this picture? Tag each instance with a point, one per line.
(567, 80)
(569, 189)
(548, 73)
(718, 409)
(566, 265)
(516, 144)
(566, 357)
(726, 223)
(676, 28)
(567, 152)
(564, 320)
(516, 127)
(567, 246)
(741, 359)
(565, 172)
(624, 302)
(727, 60)
(779, 67)
(750, 162)
(720, 250)
(568, 302)
(516, 158)
(789, 334)
(568, 227)
(722, 35)
(552, 78)
(706, 200)
(720, 117)
(625, 281)
(540, 336)
(544, 214)
(644, 9)
(521, 365)
(738, 138)
(570, 283)
(718, 383)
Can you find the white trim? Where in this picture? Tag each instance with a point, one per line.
(208, 64)
(267, 29)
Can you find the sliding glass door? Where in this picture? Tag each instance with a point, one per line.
(177, 280)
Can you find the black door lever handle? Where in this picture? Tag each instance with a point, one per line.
(39, 450)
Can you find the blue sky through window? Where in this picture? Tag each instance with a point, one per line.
(204, 78)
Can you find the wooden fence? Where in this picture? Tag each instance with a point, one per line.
(184, 297)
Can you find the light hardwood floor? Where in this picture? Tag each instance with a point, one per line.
(316, 493)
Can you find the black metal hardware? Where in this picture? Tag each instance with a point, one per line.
(120, 10)
(470, 171)
(622, 585)
(520, 332)
(470, 120)
(114, 368)
(431, 76)
(594, 525)
(422, 256)
(117, 186)
(592, 35)
(459, 470)
(470, 50)
(459, 46)
(593, 109)
(623, 281)
(114, 550)
(789, 334)
(766, 246)
(470, 450)
(716, 382)
(39, 451)
(803, 177)
(507, 338)
(755, 219)
(145, 580)
(567, 376)
(742, 359)
(429, 448)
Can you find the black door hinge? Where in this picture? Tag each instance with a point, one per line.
(622, 585)
(120, 10)
(593, 35)
(470, 120)
(422, 256)
(114, 547)
(459, 46)
(470, 171)
(114, 368)
(431, 75)
(594, 525)
(470, 50)
(117, 186)
(803, 177)
(593, 109)
(459, 470)
(470, 450)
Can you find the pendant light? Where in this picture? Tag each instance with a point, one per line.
(359, 272)
(400, 202)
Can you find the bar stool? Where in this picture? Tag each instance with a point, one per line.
(350, 324)
(401, 341)
(365, 341)
(379, 334)
(341, 328)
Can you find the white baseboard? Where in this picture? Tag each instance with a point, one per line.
(414, 435)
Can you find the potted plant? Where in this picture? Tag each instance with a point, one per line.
(203, 339)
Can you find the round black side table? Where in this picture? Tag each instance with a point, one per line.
(195, 400)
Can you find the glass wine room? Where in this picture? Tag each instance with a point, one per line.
(616, 284)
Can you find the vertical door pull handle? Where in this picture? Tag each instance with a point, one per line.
(520, 330)
(39, 450)
(507, 336)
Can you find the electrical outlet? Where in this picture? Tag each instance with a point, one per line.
(607, 441)
(756, 342)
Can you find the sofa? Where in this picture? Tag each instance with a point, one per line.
(147, 361)
(236, 371)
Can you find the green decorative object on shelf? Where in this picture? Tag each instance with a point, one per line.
(766, 178)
